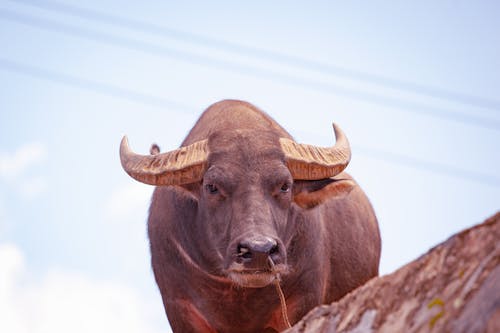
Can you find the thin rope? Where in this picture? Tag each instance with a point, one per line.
(284, 311)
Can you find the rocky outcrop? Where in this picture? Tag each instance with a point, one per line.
(455, 287)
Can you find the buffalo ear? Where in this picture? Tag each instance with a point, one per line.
(192, 188)
(310, 193)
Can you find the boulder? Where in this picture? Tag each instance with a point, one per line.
(455, 287)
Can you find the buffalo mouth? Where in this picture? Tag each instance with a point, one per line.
(254, 278)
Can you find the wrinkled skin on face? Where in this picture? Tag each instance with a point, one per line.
(211, 240)
(246, 198)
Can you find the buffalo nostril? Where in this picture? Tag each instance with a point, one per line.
(274, 250)
(256, 251)
(244, 252)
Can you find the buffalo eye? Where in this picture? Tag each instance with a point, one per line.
(285, 188)
(212, 189)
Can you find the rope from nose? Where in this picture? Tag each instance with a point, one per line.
(281, 295)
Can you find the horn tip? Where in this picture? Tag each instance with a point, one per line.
(336, 129)
(124, 150)
(124, 142)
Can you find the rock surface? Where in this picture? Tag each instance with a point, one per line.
(455, 287)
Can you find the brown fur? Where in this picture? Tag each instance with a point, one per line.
(326, 229)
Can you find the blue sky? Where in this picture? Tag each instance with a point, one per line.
(415, 87)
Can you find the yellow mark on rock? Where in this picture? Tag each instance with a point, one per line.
(436, 302)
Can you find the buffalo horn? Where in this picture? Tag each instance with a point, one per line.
(307, 162)
(181, 166)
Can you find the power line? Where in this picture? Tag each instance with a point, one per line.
(265, 54)
(95, 86)
(433, 167)
(115, 91)
(257, 72)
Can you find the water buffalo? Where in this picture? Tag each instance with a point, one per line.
(241, 201)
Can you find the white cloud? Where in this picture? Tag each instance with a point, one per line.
(62, 301)
(14, 168)
(127, 201)
(13, 165)
(10, 270)
(3, 214)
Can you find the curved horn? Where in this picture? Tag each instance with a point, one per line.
(181, 166)
(308, 162)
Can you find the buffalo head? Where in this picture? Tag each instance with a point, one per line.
(245, 183)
